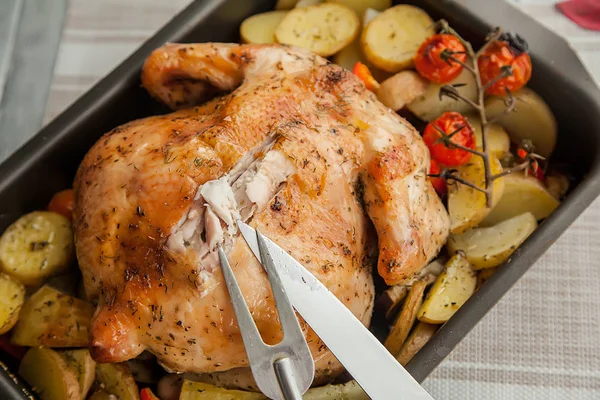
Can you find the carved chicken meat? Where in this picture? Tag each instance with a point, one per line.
(287, 142)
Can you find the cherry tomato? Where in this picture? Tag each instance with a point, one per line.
(430, 62)
(455, 124)
(62, 203)
(146, 394)
(438, 183)
(501, 54)
(364, 74)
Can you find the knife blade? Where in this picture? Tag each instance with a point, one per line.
(379, 374)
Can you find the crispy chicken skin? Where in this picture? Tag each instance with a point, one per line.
(294, 145)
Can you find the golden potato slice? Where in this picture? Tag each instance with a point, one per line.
(260, 28)
(11, 301)
(429, 106)
(490, 247)
(347, 391)
(53, 319)
(450, 291)
(37, 246)
(415, 342)
(285, 4)
(467, 206)
(406, 319)
(323, 29)
(117, 379)
(199, 391)
(532, 120)
(401, 89)
(521, 194)
(48, 374)
(498, 139)
(360, 6)
(80, 361)
(391, 40)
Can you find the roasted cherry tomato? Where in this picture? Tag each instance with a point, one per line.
(364, 74)
(432, 60)
(509, 54)
(146, 394)
(452, 124)
(62, 203)
(438, 183)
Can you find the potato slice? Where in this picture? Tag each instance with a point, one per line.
(467, 206)
(260, 28)
(531, 120)
(53, 319)
(415, 342)
(323, 29)
(360, 6)
(285, 4)
(199, 391)
(498, 139)
(49, 376)
(391, 40)
(406, 319)
(347, 391)
(117, 379)
(81, 362)
(490, 247)
(483, 276)
(429, 106)
(11, 301)
(37, 246)
(522, 194)
(450, 291)
(390, 300)
(401, 89)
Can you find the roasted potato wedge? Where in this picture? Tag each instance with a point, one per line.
(49, 375)
(450, 291)
(260, 28)
(191, 390)
(521, 194)
(490, 247)
(37, 246)
(52, 319)
(360, 6)
(483, 276)
(11, 301)
(467, 206)
(498, 139)
(401, 89)
(429, 106)
(415, 342)
(390, 300)
(323, 29)
(117, 379)
(406, 319)
(347, 391)
(391, 40)
(80, 361)
(532, 120)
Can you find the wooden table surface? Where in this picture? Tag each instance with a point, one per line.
(539, 342)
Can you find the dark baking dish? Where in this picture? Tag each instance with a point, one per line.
(48, 162)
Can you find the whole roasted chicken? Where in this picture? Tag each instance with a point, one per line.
(291, 144)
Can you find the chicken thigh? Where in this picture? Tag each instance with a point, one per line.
(293, 145)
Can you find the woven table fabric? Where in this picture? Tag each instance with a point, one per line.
(542, 341)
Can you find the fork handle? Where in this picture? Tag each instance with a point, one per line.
(285, 377)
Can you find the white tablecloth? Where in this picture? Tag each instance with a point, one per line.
(540, 342)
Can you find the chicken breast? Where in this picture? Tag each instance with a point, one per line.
(293, 145)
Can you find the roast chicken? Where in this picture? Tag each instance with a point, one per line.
(267, 134)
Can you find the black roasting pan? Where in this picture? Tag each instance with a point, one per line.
(47, 163)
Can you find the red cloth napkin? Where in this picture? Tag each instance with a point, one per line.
(585, 13)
